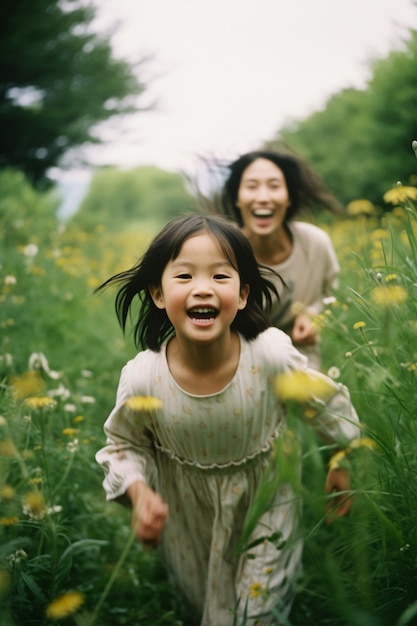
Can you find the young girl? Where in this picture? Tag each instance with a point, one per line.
(265, 192)
(190, 465)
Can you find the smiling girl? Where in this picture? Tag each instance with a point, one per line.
(190, 463)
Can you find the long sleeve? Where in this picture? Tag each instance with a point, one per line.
(128, 453)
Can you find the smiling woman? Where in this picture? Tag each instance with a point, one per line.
(264, 193)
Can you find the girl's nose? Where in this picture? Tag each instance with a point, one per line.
(202, 287)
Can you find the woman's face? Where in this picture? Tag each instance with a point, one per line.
(263, 197)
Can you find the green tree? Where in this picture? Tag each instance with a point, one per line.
(117, 198)
(360, 143)
(58, 80)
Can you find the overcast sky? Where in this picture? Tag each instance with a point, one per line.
(227, 74)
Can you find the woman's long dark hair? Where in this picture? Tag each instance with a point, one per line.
(305, 188)
(153, 326)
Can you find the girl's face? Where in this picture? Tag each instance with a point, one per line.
(200, 291)
(263, 197)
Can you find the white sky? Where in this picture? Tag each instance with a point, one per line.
(227, 74)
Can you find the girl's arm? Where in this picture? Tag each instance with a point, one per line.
(149, 513)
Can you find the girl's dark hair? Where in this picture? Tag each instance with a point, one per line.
(305, 188)
(153, 326)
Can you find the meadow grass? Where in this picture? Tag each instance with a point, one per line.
(68, 557)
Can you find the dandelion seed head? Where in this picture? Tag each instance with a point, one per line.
(334, 372)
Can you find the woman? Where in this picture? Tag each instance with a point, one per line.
(264, 193)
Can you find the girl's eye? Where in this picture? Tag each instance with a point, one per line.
(220, 276)
(184, 276)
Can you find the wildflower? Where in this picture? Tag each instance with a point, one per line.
(30, 250)
(34, 505)
(329, 300)
(40, 402)
(29, 384)
(60, 392)
(9, 521)
(256, 590)
(143, 403)
(86, 373)
(3, 421)
(303, 386)
(6, 358)
(72, 446)
(38, 361)
(70, 432)
(6, 493)
(389, 295)
(390, 277)
(358, 325)
(364, 442)
(78, 418)
(337, 459)
(7, 448)
(87, 399)
(333, 372)
(10, 280)
(399, 194)
(65, 605)
(17, 556)
(70, 408)
(361, 207)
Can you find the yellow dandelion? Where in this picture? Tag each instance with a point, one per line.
(70, 432)
(361, 207)
(389, 295)
(358, 325)
(337, 459)
(310, 413)
(9, 521)
(78, 418)
(303, 386)
(29, 384)
(7, 493)
(40, 402)
(7, 448)
(390, 277)
(64, 605)
(399, 194)
(143, 403)
(256, 590)
(34, 504)
(364, 442)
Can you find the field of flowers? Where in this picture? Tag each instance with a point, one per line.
(67, 556)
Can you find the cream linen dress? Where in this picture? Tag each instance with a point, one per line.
(206, 455)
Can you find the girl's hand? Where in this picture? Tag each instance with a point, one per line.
(149, 513)
(303, 331)
(338, 480)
